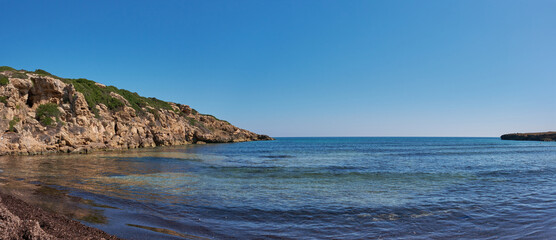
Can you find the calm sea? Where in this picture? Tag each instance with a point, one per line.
(303, 188)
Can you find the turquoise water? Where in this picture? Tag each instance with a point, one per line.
(310, 188)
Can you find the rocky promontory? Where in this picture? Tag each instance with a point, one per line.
(43, 113)
(540, 136)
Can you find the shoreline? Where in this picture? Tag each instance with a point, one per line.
(92, 148)
(23, 220)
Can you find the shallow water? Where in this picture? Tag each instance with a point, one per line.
(345, 188)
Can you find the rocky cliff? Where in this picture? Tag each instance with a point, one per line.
(42, 113)
(542, 136)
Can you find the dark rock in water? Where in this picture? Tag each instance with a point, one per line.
(542, 136)
(261, 137)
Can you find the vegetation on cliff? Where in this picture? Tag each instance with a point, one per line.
(45, 113)
(90, 115)
(12, 123)
(4, 81)
(96, 93)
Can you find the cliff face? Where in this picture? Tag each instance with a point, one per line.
(42, 113)
(542, 136)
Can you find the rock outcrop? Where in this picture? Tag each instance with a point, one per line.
(541, 136)
(42, 113)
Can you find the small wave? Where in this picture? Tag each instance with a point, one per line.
(277, 156)
(460, 153)
(167, 231)
(331, 172)
(517, 172)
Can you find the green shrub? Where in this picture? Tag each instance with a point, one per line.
(132, 98)
(6, 68)
(4, 80)
(158, 104)
(154, 112)
(194, 111)
(3, 99)
(114, 103)
(95, 94)
(19, 75)
(137, 102)
(45, 73)
(192, 121)
(42, 72)
(215, 118)
(45, 113)
(12, 123)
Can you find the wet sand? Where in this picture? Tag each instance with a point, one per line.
(19, 220)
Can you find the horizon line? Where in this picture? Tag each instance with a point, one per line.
(385, 136)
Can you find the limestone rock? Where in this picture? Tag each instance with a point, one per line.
(23, 85)
(46, 90)
(81, 128)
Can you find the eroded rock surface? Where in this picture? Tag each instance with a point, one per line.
(82, 128)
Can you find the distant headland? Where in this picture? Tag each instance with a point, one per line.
(43, 113)
(540, 136)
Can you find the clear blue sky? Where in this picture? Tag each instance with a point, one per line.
(309, 68)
